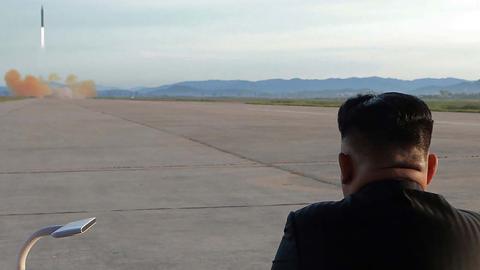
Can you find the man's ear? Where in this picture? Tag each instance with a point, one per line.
(431, 167)
(346, 168)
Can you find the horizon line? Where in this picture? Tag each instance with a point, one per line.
(288, 79)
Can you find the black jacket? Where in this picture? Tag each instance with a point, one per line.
(388, 224)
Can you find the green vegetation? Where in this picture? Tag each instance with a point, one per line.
(298, 102)
(439, 105)
(256, 101)
(196, 99)
(2, 99)
(435, 103)
(454, 105)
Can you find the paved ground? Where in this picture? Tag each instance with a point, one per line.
(181, 185)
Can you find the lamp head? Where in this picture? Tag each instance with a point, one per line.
(74, 228)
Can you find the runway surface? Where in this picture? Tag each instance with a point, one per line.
(182, 185)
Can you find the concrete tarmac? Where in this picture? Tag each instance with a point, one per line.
(182, 185)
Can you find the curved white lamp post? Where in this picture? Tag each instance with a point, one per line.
(57, 231)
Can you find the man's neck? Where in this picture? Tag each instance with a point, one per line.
(380, 174)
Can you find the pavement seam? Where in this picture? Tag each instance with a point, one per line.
(270, 165)
(157, 209)
(156, 167)
(133, 168)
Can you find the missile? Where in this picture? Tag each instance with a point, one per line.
(42, 29)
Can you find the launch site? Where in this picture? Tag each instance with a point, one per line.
(183, 185)
(191, 130)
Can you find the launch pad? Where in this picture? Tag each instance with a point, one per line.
(182, 185)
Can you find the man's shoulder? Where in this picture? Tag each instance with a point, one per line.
(317, 212)
(471, 215)
(315, 208)
(430, 201)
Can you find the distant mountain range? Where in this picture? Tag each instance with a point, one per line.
(4, 91)
(465, 87)
(300, 88)
(296, 88)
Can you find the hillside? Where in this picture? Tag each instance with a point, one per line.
(293, 88)
(4, 91)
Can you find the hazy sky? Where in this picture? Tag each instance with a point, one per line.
(152, 42)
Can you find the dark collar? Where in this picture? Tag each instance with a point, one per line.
(391, 183)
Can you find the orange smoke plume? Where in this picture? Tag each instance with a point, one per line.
(28, 87)
(53, 77)
(81, 89)
(36, 87)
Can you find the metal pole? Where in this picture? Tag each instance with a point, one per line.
(22, 257)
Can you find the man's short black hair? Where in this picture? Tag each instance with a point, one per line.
(387, 120)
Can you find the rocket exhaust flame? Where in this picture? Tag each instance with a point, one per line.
(42, 29)
(42, 37)
(32, 86)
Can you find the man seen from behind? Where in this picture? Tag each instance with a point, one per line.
(387, 219)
